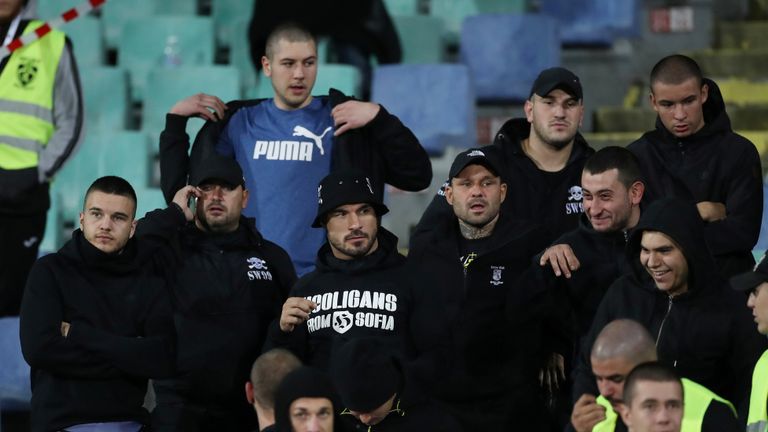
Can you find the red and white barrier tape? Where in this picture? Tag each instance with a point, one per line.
(44, 29)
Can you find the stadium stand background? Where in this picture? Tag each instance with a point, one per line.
(468, 64)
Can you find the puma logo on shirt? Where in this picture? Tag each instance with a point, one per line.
(291, 150)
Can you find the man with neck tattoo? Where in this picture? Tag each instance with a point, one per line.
(469, 264)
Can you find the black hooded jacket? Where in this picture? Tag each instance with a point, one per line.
(226, 289)
(490, 359)
(714, 164)
(552, 200)
(706, 332)
(121, 334)
(384, 149)
(369, 296)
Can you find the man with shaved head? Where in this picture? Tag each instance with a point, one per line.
(693, 154)
(620, 347)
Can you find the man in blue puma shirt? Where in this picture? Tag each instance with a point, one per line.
(288, 143)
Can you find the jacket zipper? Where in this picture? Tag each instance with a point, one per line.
(661, 327)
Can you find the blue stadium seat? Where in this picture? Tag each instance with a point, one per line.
(435, 101)
(85, 33)
(454, 12)
(15, 391)
(420, 38)
(240, 56)
(402, 7)
(116, 13)
(342, 77)
(226, 12)
(166, 86)
(505, 53)
(594, 22)
(144, 40)
(47, 9)
(105, 96)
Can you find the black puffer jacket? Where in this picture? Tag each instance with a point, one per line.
(706, 333)
(552, 200)
(714, 164)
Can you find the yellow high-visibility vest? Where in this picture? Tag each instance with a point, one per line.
(757, 420)
(696, 397)
(26, 99)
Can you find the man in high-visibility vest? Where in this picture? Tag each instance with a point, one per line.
(756, 282)
(620, 347)
(41, 119)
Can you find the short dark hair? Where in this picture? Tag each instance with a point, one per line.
(113, 185)
(675, 69)
(649, 371)
(268, 372)
(291, 32)
(619, 158)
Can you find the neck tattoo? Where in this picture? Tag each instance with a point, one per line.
(471, 232)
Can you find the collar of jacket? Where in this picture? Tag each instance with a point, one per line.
(385, 256)
(512, 133)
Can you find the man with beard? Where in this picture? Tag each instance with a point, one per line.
(540, 157)
(467, 265)
(693, 154)
(227, 284)
(360, 287)
(620, 347)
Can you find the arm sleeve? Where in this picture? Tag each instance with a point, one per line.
(720, 418)
(437, 210)
(148, 355)
(174, 155)
(740, 229)
(42, 344)
(67, 117)
(295, 341)
(406, 163)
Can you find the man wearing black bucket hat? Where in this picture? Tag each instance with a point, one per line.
(227, 284)
(471, 263)
(377, 394)
(756, 283)
(360, 286)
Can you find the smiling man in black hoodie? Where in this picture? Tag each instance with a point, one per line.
(95, 321)
(674, 290)
(693, 154)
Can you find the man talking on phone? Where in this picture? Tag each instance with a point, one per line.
(227, 284)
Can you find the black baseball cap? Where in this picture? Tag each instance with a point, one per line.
(474, 156)
(554, 78)
(346, 187)
(216, 167)
(750, 280)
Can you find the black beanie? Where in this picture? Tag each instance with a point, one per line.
(364, 374)
(303, 382)
(346, 187)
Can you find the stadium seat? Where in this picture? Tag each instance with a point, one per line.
(420, 38)
(342, 77)
(47, 9)
(105, 94)
(144, 41)
(435, 101)
(115, 14)
(240, 56)
(402, 7)
(453, 12)
(149, 199)
(167, 86)
(594, 22)
(505, 53)
(15, 390)
(85, 33)
(227, 12)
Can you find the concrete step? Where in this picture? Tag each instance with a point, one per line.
(740, 92)
(751, 64)
(619, 119)
(744, 35)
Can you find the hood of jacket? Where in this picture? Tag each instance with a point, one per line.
(680, 221)
(385, 256)
(512, 133)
